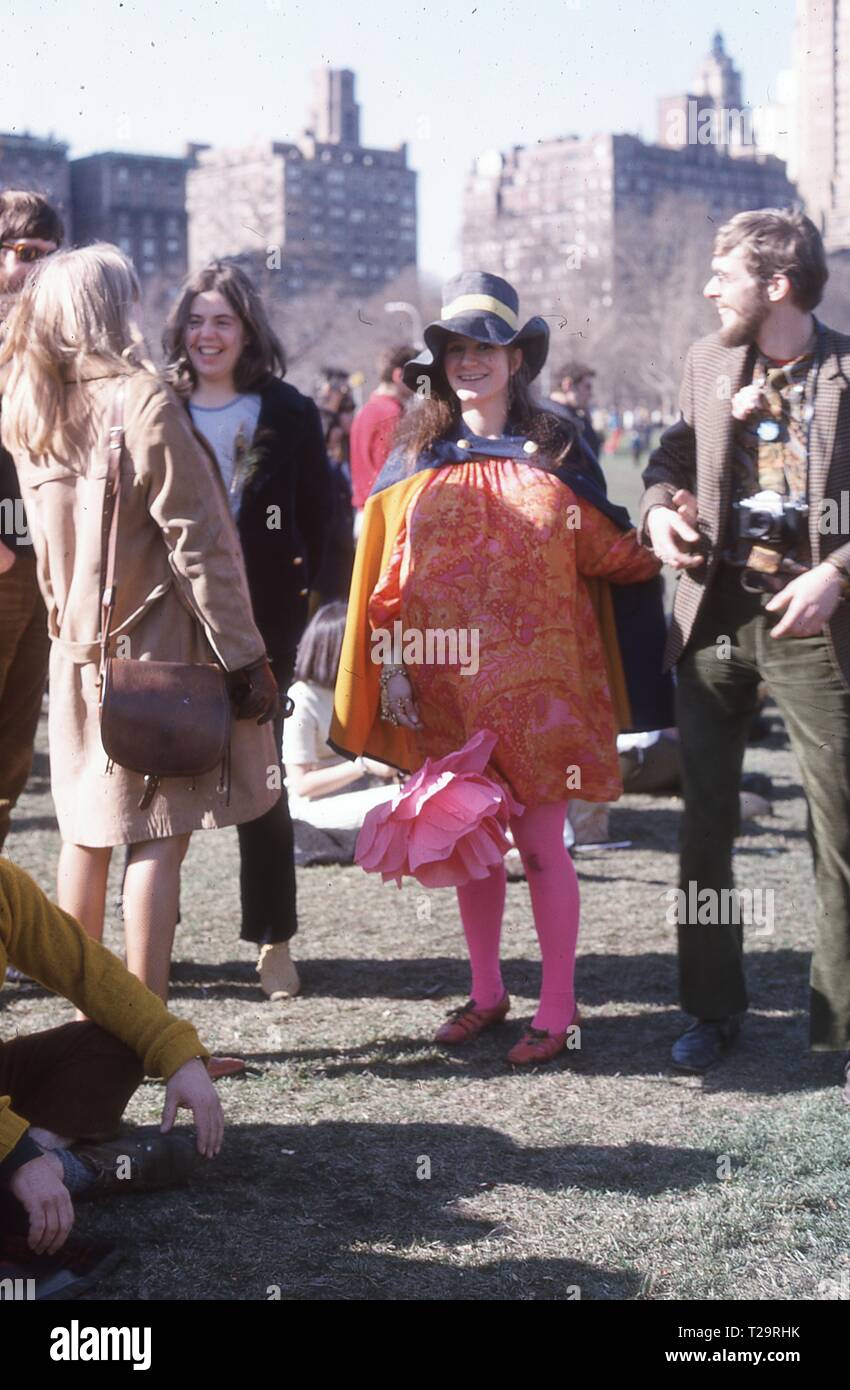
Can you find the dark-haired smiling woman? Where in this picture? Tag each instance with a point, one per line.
(476, 526)
(227, 363)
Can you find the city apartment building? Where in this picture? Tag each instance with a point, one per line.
(322, 209)
(138, 202)
(822, 157)
(538, 214)
(28, 162)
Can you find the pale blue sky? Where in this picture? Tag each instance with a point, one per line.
(453, 81)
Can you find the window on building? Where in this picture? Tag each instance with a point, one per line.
(367, 159)
(122, 173)
(172, 246)
(357, 215)
(358, 269)
(126, 244)
(150, 247)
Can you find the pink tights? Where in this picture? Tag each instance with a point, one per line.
(552, 882)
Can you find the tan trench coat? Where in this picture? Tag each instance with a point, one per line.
(181, 596)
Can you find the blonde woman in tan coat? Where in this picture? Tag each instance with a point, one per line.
(181, 592)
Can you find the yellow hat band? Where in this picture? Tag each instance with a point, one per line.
(467, 302)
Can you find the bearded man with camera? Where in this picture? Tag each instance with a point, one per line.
(744, 497)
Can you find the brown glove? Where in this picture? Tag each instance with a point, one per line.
(254, 692)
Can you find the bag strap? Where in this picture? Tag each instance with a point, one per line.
(109, 520)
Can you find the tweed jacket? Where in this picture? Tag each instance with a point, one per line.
(697, 452)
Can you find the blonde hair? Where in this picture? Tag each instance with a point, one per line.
(75, 310)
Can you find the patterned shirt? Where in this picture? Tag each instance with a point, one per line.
(771, 444)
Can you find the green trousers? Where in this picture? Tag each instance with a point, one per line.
(729, 653)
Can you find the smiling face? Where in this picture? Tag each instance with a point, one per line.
(742, 301)
(479, 372)
(215, 338)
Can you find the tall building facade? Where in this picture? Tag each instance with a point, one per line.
(822, 56)
(138, 202)
(713, 112)
(321, 209)
(39, 166)
(539, 213)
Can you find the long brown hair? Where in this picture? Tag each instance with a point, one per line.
(437, 415)
(262, 356)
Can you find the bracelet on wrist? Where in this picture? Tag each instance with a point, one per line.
(387, 673)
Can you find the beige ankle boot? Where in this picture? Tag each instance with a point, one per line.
(277, 972)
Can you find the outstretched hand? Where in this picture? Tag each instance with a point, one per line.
(673, 533)
(191, 1087)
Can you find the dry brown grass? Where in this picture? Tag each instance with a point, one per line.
(596, 1178)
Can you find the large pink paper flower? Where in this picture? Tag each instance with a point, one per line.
(446, 826)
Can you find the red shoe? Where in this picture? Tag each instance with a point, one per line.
(537, 1045)
(468, 1021)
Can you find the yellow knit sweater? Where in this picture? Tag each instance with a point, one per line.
(45, 943)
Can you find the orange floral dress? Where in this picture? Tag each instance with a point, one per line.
(494, 546)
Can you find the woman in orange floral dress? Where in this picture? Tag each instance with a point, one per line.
(481, 536)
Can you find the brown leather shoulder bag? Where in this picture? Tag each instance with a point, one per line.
(157, 718)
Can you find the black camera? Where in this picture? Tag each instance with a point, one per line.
(771, 519)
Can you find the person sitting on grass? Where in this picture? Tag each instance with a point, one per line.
(71, 1084)
(326, 790)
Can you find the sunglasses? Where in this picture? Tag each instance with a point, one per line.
(23, 251)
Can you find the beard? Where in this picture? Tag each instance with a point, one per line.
(744, 328)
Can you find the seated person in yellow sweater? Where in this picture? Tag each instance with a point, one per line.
(72, 1083)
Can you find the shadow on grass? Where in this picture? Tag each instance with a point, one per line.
(772, 1057)
(777, 978)
(22, 824)
(352, 1210)
(656, 828)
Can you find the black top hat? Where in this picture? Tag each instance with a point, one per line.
(484, 307)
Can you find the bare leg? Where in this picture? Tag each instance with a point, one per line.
(81, 885)
(151, 904)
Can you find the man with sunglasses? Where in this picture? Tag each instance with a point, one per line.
(29, 230)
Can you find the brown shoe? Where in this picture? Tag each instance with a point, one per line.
(277, 972)
(137, 1165)
(537, 1046)
(468, 1021)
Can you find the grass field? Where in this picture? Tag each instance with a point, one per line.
(604, 1176)
(361, 1162)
